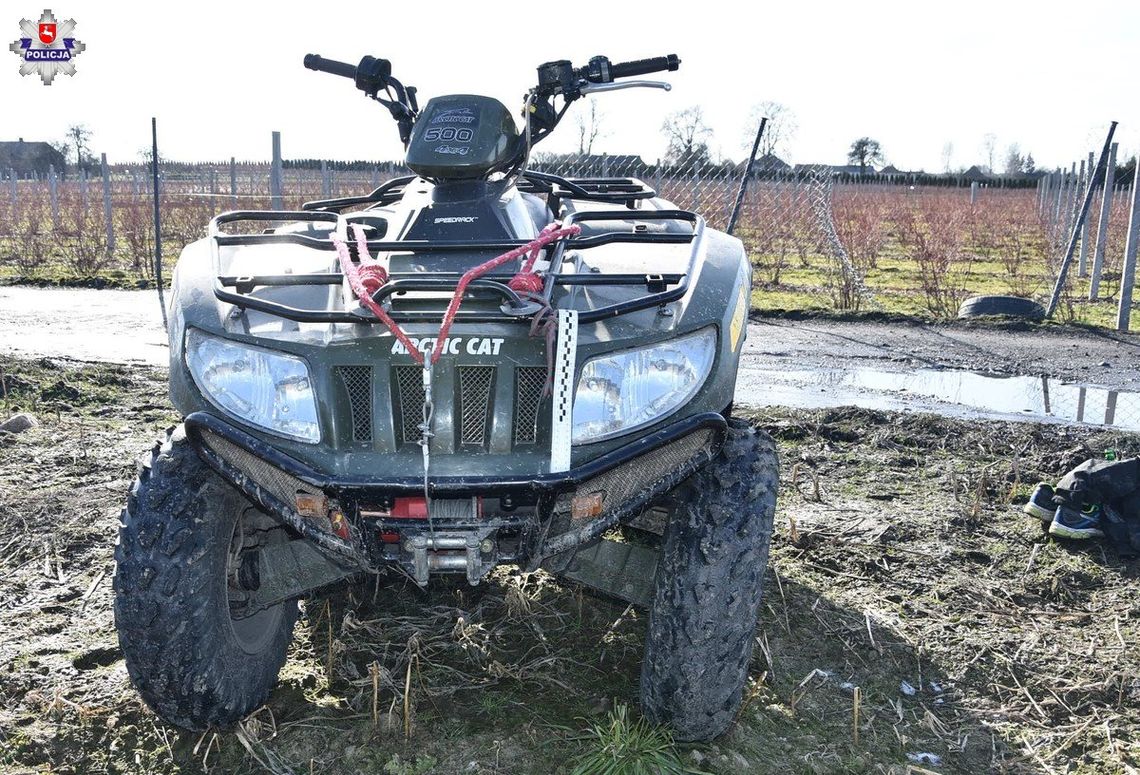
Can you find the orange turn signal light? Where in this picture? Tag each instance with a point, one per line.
(310, 505)
(587, 506)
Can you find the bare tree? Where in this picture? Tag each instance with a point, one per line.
(865, 152)
(948, 156)
(782, 126)
(1015, 163)
(989, 149)
(589, 127)
(688, 137)
(79, 138)
(146, 154)
(64, 149)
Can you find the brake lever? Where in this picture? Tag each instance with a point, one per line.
(593, 88)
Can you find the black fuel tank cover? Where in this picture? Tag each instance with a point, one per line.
(462, 136)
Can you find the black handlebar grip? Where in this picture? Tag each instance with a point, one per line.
(645, 66)
(319, 63)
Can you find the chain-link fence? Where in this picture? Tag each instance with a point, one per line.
(820, 237)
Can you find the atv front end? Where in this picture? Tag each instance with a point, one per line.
(463, 524)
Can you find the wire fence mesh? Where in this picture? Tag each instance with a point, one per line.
(819, 238)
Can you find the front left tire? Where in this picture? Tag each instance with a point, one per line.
(191, 654)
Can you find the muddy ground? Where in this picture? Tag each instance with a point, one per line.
(901, 566)
(126, 326)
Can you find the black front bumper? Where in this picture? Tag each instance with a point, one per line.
(267, 475)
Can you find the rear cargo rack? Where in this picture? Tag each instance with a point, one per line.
(660, 289)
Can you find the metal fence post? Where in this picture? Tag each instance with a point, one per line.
(83, 188)
(275, 197)
(326, 184)
(53, 189)
(743, 189)
(1102, 225)
(108, 214)
(157, 218)
(1128, 273)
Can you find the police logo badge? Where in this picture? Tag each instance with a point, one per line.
(48, 48)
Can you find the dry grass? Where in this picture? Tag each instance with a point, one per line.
(913, 619)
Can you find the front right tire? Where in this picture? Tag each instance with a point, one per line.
(195, 660)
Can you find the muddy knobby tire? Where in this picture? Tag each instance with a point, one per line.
(702, 623)
(172, 611)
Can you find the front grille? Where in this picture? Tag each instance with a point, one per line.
(410, 396)
(475, 383)
(358, 384)
(529, 382)
(620, 484)
(273, 479)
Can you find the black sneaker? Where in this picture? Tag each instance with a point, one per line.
(1070, 523)
(1041, 503)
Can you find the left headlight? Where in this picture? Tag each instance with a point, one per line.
(622, 391)
(268, 389)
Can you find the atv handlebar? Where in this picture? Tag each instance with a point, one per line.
(562, 78)
(372, 75)
(559, 78)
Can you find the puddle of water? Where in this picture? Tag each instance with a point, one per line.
(956, 393)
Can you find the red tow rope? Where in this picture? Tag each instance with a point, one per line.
(526, 279)
(365, 280)
(370, 275)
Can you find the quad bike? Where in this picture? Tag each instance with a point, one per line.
(476, 365)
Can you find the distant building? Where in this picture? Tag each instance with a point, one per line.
(768, 164)
(891, 171)
(976, 174)
(26, 158)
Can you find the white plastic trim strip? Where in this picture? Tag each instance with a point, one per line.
(562, 421)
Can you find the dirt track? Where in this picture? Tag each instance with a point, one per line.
(793, 363)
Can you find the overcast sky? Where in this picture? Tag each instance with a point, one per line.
(913, 75)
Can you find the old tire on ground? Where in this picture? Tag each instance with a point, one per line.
(702, 623)
(1012, 306)
(192, 662)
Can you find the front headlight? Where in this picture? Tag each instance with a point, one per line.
(625, 390)
(264, 388)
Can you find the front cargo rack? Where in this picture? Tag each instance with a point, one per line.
(627, 191)
(660, 289)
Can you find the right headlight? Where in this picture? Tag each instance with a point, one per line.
(622, 391)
